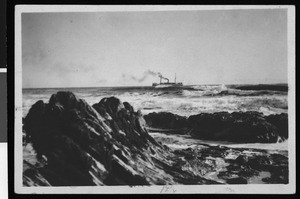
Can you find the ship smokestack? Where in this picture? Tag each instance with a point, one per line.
(162, 77)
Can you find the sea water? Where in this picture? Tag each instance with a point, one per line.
(185, 101)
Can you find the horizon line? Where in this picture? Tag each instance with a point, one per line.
(148, 86)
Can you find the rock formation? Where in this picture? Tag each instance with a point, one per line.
(166, 120)
(69, 143)
(281, 122)
(241, 127)
(106, 144)
(272, 87)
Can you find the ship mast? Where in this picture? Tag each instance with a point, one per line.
(175, 77)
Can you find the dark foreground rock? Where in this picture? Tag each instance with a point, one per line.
(241, 127)
(106, 144)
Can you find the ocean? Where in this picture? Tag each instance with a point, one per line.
(185, 101)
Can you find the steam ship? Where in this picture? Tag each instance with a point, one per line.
(166, 84)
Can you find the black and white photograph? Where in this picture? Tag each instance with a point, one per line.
(154, 99)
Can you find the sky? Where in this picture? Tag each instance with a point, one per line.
(97, 49)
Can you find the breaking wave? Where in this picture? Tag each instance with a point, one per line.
(184, 101)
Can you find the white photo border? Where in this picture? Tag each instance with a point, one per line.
(289, 188)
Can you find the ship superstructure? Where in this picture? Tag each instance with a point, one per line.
(167, 83)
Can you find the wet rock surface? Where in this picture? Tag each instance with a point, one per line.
(166, 120)
(240, 127)
(236, 166)
(74, 144)
(278, 87)
(281, 122)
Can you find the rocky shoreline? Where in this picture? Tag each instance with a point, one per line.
(272, 87)
(240, 127)
(70, 143)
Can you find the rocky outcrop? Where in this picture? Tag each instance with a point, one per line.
(166, 120)
(70, 143)
(281, 122)
(241, 127)
(272, 87)
(237, 165)
(106, 144)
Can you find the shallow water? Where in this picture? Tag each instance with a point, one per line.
(175, 141)
(220, 165)
(258, 179)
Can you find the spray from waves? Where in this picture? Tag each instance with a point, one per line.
(266, 146)
(222, 90)
(209, 87)
(184, 101)
(207, 98)
(201, 93)
(153, 102)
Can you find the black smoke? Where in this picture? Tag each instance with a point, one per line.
(145, 75)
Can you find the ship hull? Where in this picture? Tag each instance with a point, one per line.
(178, 85)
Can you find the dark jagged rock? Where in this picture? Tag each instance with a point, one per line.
(31, 176)
(242, 127)
(247, 166)
(125, 121)
(281, 122)
(238, 180)
(241, 159)
(106, 144)
(278, 87)
(166, 120)
(235, 127)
